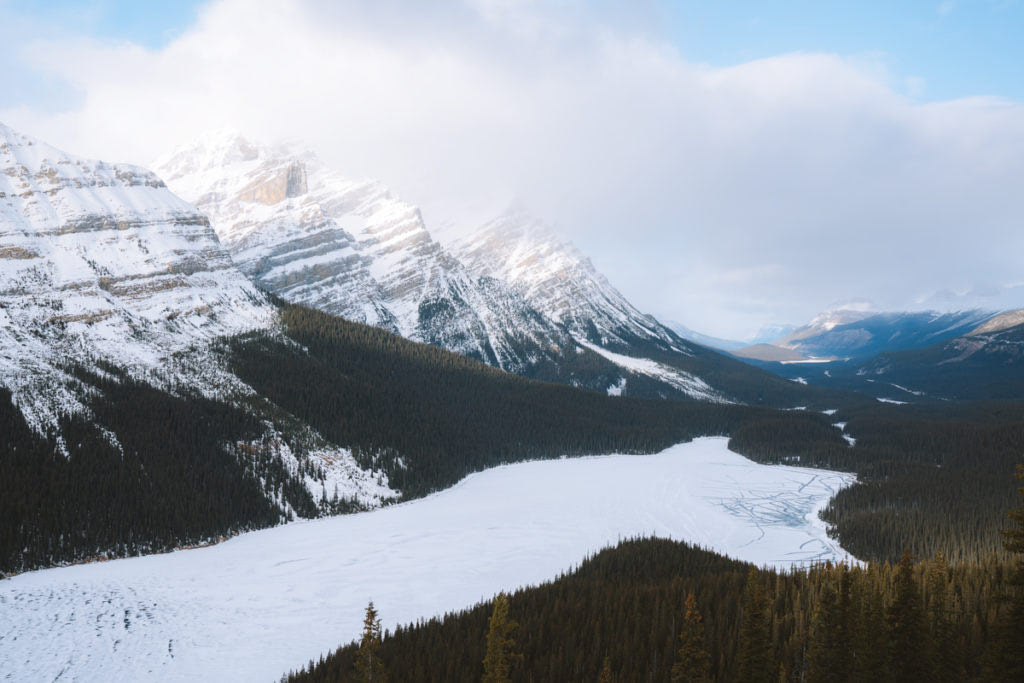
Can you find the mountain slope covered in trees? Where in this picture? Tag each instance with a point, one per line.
(620, 617)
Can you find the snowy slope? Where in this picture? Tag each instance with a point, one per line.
(349, 247)
(689, 384)
(1000, 322)
(559, 281)
(265, 602)
(102, 267)
(101, 262)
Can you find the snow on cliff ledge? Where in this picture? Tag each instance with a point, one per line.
(101, 262)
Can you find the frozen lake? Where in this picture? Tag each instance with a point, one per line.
(265, 602)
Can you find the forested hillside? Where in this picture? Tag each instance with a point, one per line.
(430, 417)
(940, 470)
(623, 616)
(170, 479)
(147, 471)
(184, 469)
(930, 478)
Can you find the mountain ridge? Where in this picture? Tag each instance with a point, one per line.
(350, 247)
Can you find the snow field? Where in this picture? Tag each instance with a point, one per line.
(265, 602)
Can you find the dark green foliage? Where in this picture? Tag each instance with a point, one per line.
(693, 663)
(624, 609)
(448, 415)
(827, 646)
(1005, 661)
(932, 478)
(369, 668)
(499, 656)
(908, 658)
(171, 480)
(755, 663)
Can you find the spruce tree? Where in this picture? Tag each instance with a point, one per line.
(908, 660)
(500, 644)
(825, 648)
(946, 652)
(869, 636)
(369, 668)
(693, 663)
(1005, 659)
(755, 663)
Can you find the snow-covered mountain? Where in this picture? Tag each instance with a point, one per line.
(822, 323)
(104, 272)
(512, 295)
(102, 263)
(560, 282)
(351, 248)
(1003, 321)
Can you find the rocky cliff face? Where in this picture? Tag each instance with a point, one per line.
(560, 282)
(349, 247)
(101, 262)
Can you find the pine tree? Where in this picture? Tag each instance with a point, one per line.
(869, 631)
(1005, 659)
(606, 671)
(755, 647)
(369, 668)
(693, 663)
(946, 652)
(499, 657)
(908, 660)
(826, 647)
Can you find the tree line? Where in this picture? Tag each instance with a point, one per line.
(658, 610)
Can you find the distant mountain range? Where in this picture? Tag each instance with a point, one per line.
(851, 334)
(705, 339)
(913, 357)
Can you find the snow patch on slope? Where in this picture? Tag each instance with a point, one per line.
(689, 384)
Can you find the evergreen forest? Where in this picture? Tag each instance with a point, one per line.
(658, 610)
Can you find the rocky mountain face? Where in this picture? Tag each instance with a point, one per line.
(350, 248)
(1000, 322)
(102, 263)
(512, 296)
(561, 283)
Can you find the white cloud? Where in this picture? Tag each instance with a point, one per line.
(721, 197)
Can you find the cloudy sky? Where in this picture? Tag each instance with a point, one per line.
(725, 167)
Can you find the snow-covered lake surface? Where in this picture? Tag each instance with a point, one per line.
(265, 602)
